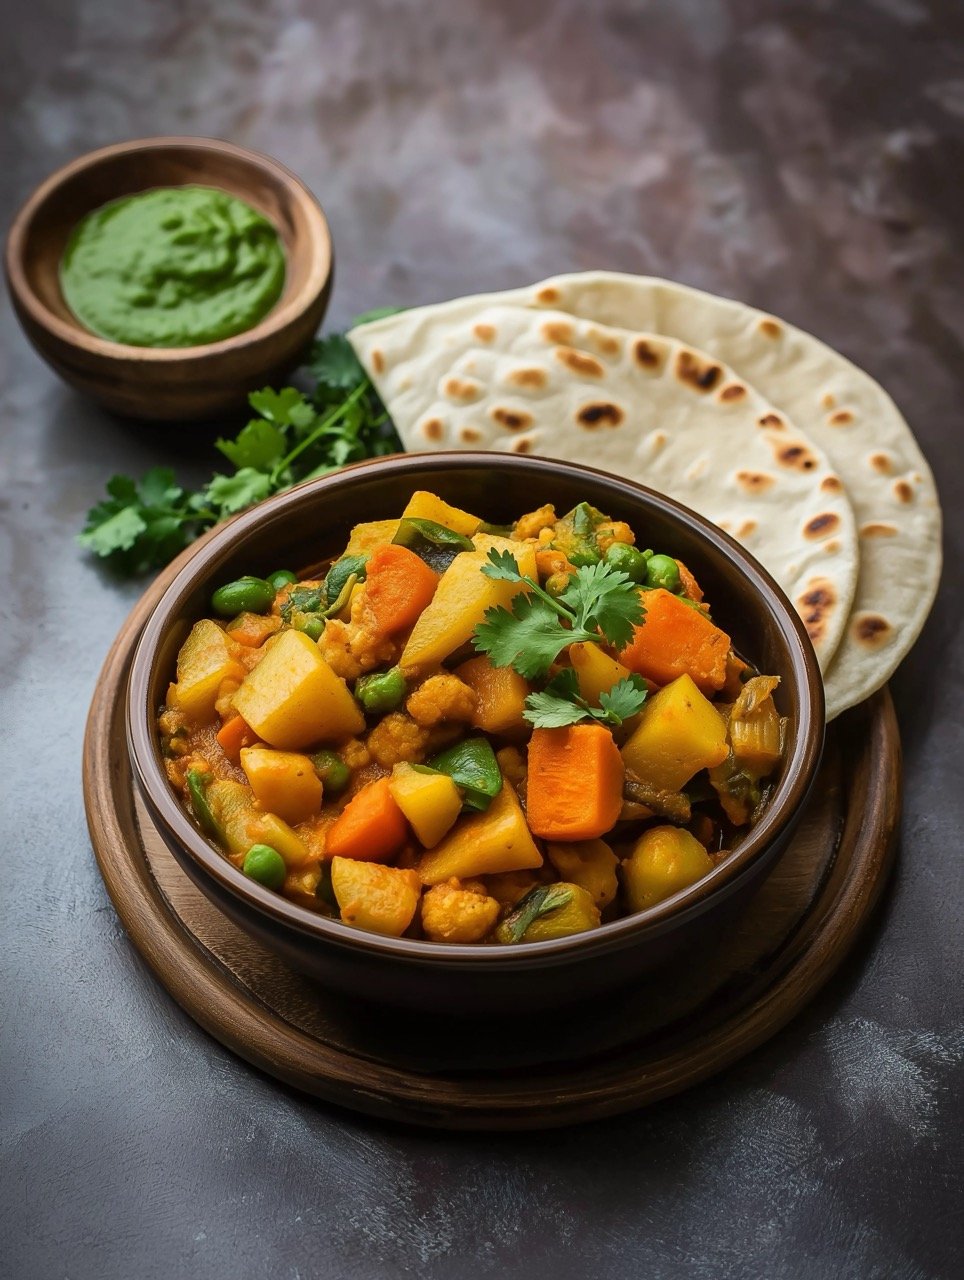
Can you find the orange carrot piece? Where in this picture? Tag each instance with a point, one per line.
(399, 586)
(370, 828)
(689, 584)
(675, 639)
(235, 734)
(575, 782)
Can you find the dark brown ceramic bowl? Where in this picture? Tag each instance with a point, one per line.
(171, 384)
(311, 522)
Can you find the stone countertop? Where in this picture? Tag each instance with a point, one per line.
(804, 156)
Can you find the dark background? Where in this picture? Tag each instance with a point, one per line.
(807, 157)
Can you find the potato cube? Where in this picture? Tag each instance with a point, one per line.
(679, 733)
(576, 916)
(423, 505)
(430, 802)
(597, 671)
(292, 698)
(370, 536)
(664, 860)
(591, 864)
(374, 897)
(283, 782)
(204, 661)
(484, 844)
(500, 696)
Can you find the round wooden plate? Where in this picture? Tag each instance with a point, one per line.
(681, 1027)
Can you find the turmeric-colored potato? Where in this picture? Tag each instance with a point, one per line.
(463, 594)
(589, 863)
(524, 552)
(509, 886)
(500, 696)
(679, 733)
(485, 843)
(451, 913)
(576, 916)
(597, 671)
(283, 782)
(374, 897)
(423, 505)
(370, 536)
(204, 661)
(431, 802)
(663, 861)
(292, 698)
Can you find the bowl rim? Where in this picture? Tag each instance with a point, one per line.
(792, 791)
(285, 312)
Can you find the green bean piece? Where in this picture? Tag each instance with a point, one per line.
(472, 766)
(244, 595)
(381, 691)
(281, 578)
(197, 781)
(340, 572)
(662, 571)
(266, 865)
(309, 623)
(627, 559)
(332, 770)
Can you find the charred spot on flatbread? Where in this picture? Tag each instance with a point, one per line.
(701, 375)
(378, 361)
(511, 419)
(770, 328)
(605, 343)
(903, 492)
(831, 484)
(828, 400)
(842, 418)
(881, 462)
(433, 429)
(878, 529)
(772, 421)
(797, 456)
(732, 392)
(657, 440)
(586, 366)
(602, 413)
(648, 355)
(462, 389)
(547, 295)
(470, 435)
(821, 526)
(831, 547)
(870, 630)
(754, 481)
(815, 606)
(746, 528)
(532, 378)
(558, 332)
(484, 332)
(523, 444)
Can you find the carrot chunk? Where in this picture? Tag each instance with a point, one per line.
(675, 639)
(575, 784)
(235, 734)
(400, 585)
(371, 827)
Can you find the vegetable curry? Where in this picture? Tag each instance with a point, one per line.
(469, 733)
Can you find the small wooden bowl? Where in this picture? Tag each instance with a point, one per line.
(157, 383)
(311, 522)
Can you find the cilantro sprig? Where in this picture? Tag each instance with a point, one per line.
(295, 435)
(600, 603)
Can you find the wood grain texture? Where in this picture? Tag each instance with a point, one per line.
(682, 1026)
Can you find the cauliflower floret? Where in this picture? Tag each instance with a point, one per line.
(441, 697)
(355, 754)
(613, 531)
(513, 765)
(453, 913)
(352, 648)
(532, 524)
(396, 738)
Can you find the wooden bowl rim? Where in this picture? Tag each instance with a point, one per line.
(309, 283)
(806, 694)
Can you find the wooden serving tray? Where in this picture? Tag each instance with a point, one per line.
(683, 1025)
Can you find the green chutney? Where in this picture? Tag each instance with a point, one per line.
(172, 267)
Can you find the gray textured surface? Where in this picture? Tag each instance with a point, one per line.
(805, 156)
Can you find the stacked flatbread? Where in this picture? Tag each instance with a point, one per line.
(760, 427)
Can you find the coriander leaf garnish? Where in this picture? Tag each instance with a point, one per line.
(607, 598)
(529, 638)
(295, 436)
(560, 702)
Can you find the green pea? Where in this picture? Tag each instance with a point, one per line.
(266, 865)
(662, 571)
(281, 578)
(332, 770)
(626, 558)
(244, 595)
(309, 623)
(382, 691)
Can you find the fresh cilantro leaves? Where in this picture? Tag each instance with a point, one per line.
(599, 604)
(294, 436)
